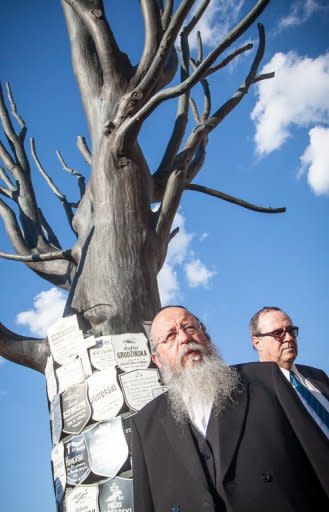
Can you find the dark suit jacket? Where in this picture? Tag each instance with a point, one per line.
(270, 456)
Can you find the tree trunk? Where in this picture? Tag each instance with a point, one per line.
(115, 286)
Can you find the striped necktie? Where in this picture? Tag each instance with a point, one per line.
(311, 400)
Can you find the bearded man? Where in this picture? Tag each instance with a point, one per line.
(220, 439)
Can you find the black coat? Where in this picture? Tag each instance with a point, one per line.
(270, 455)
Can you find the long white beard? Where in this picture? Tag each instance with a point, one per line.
(209, 381)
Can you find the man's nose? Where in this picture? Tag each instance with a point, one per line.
(183, 336)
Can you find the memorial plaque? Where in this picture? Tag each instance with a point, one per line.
(82, 499)
(107, 448)
(76, 460)
(131, 351)
(76, 409)
(102, 355)
(50, 379)
(65, 339)
(70, 374)
(139, 387)
(116, 495)
(56, 419)
(104, 394)
(59, 474)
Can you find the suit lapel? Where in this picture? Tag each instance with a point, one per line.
(181, 440)
(311, 437)
(231, 422)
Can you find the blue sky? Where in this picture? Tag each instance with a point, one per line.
(226, 262)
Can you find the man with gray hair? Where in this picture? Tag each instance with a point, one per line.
(274, 337)
(219, 439)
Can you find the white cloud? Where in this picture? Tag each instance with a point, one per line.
(297, 96)
(315, 160)
(300, 12)
(48, 306)
(180, 256)
(197, 273)
(219, 17)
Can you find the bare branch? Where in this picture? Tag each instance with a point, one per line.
(173, 233)
(153, 34)
(30, 352)
(201, 71)
(229, 58)
(167, 42)
(47, 256)
(12, 228)
(167, 14)
(83, 148)
(6, 192)
(51, 184)
(195, 111)
(15, 141)
(5, 178)
(232, 199)
(80, 178)
(113, 67)
(264, 76)
(13, 108)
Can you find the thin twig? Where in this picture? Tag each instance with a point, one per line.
(70, 170)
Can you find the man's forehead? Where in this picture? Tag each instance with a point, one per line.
(273, 317)
(170, 316)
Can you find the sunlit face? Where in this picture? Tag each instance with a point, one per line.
(283, 351)
(173, 329)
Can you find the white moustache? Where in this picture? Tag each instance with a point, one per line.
(192, 347)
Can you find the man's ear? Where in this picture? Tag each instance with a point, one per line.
(255, 342)
(156, 360)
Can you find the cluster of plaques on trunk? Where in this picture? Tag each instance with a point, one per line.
(94, 386)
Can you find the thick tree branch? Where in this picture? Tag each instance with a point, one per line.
(30, 352)
(114, 69)
(232, 199)
(85, 61)
(153, 34)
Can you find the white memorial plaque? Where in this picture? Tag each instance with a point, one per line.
(140, 387)
(104, 394)
(131, 351)
(50, 379)
(107, 448)
(70, 374)
(82, 499)
(76, 460)
(102, 355)
(57, 459)
(56, 419)
(65, 339)
(76, 409)
(116, 495)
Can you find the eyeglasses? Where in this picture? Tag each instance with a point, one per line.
(279, 334)
(170, 338)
